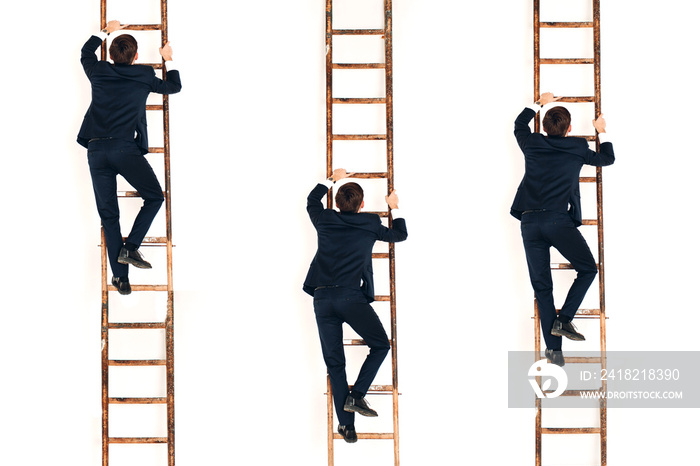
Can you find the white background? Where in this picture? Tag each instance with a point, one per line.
(248, 143)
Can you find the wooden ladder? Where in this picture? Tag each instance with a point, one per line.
(166, 327)
(388, 175)
(597, 222)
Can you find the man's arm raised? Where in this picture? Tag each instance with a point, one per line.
(87, 53)
(314, 206)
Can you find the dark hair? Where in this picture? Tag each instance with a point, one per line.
(349, 198)
(123, 49)
(556, 121)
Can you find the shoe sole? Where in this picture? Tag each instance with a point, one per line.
(348, 440)
(570, 336)
(140, 265)
(122, 292)
(355, 409)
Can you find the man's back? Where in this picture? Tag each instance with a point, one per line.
(345, 241)
(345, 244)
(119, 93)
(552, 168)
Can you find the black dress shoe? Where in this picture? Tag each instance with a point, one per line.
(359, 406)
(566, 329)
(555, 357)
(348, 433)
(122, 285)
(134, 258)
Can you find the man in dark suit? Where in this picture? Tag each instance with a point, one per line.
(341, 282)
(548, 205)
(114, 133)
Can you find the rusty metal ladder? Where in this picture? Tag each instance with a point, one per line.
(167, 325)
(388, 137)
(597, 222)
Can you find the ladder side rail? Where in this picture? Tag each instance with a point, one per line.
(538, 346)
(601, 244)
(389, 100)
(105, 351)
(170, 321)
(169, 334)
(329, 94)
(388, 175)
(595, 24)
(105, 298)
(329, 197)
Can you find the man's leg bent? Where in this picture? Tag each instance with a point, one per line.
(138, 173)
(362, 318)
(572, 245)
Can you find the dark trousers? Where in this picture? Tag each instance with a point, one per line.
(107, 159)
(333, 306)
(542, 230)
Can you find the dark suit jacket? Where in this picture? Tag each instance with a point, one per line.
(552, 169)
(345, 241)
(119, 92)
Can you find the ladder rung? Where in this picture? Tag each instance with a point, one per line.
(354, 342)
(368, 436)
(357, 32)
(156, 400)
(137, 439)
(357, 66)
(359, 342)
(137, 362)
(577, 99)
(585, 313)
(131, 194)
(578, 359)
(135, 325)
(566, 61)
(359, 100)
(381, 214)
(571, 430)
(143, 27)
(156, 150)
(587, 138)
(376, 389)
(154, 107)
(563, 24)
(359, 137)
(158, 66)
(582, 360)
(380, 255)
(589, 222)
(564, 266)
(382, 298)
(143, 288)
(128, 194)
(578, 393)
(587, 179)
(380, 389)
(367, 175)
(152, 240)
